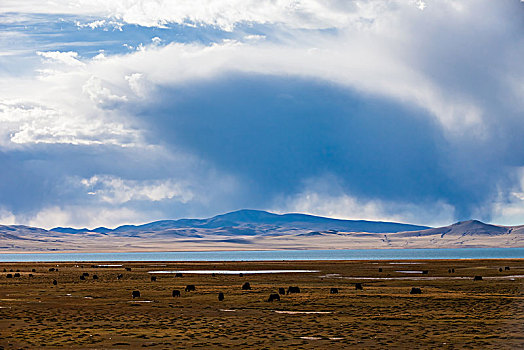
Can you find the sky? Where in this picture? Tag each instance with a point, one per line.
(129, 111)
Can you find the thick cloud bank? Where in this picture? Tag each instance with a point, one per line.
(125, 112)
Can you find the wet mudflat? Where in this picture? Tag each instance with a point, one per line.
(453, 311)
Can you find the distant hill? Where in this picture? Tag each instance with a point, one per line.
(262, 222)
(254, 230)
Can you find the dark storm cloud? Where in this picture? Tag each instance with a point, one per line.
(274, 133)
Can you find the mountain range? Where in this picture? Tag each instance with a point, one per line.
(255, 229)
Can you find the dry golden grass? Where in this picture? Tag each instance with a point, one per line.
(452, 312)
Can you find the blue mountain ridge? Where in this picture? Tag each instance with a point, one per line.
(257, 220)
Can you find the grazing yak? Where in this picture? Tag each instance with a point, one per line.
(178, 274)
(176, 293)
(119, 276)
(281, 290)
(17, 274)
(380, 269)
(85, 274)
(293, 290)
(135, 294)
(477, 278)
(273, 297)
(500, 269)
(506, 268)
(425, 272)
(220, 296)
(153, 278)
(55, 282)
(30, 275)
(82, 277)
(9, 275)
(95, 277)
(333, 291)
(52, 269)
(33, 270)
(358, 286)
(415, 290)
(190, 287)
(246, 286)
(128, 269)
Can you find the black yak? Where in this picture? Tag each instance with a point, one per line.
(477, 278)
(128, 269)
(281, 290)
(246, 286)
(153, 278)
(176, 293)
(220, 296)
(55, 282)
(273, 297)
(190, 287)
(380, 269)
(358, 286)
(333, 291)
(293, 290)
(136, 294)
(178, 274)
(415, 290)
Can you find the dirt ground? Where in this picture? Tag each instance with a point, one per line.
(453, 311)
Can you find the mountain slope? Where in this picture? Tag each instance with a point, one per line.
(262, 222)
(255, 230)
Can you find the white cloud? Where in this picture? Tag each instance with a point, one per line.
(6, 217)
(32, 124)
(100, 94)
(85, 216)
(316, 201)
(69, 58)
(115, 190)
(509, 210)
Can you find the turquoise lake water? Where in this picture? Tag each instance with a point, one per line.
(342, 254)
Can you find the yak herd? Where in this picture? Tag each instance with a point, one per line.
(246, 286)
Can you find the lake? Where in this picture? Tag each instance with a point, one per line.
(266, 255)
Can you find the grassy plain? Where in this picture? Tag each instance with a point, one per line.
(452, 312)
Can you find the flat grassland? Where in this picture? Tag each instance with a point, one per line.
(453, 311)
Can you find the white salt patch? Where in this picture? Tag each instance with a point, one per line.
(405, 271)
(232, 272)
(403, 263)
(140, 301)
(227, 310)
(302, 312)
(336, 338)
(88, 297)
(109, 265)
(310, 338)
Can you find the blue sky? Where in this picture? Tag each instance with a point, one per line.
(133, 111)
